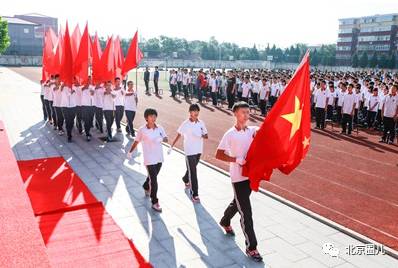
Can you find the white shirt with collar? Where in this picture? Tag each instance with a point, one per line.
(87, 94)
(151, 140)
(99, 97)
(348, 103)
(390, 104)
(109, 101)
(263, 91)
(130, 101)
(236, 143)
(320, 98)
(192, 133)
(68, 99)
(56, 96)
(47, 95)
(246, 87)
(42, 89)
(119, 93)
(373, 101)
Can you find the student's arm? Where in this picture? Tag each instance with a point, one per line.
(176, 139)
(221, 155)
(133, 146)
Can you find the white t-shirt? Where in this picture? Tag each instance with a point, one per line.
(373, 101)
(99, 97)
(246, 89)
(192, 133)
(87, 98)
(332, 97)
(151, 141)
(42, 89)
(130, 102)
(263, 91)
(274, 89)
(236, 144)
(358, 100)
(185, 79)
(47, 95)
(320, 98)
(78, 90)
(173, 79)
(119, 93)
(341, 98)
(68, 99)
(213, 84)
(348, 103)
(390, 104)
(56, 97)
(109, 102)
(256, 87)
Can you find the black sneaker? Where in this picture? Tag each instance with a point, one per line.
(88, 137)
(228, 230)
(69, 139)
(382, 141)
(254, 255)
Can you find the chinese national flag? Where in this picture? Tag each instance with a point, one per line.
(119, 57)
(283, 139)
(133, 57)
(75, 41)
(83, 57)
(96, 64)
(108, 61)
(50, 40)
(66, 70)
(55, 66)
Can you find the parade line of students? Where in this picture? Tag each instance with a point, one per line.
(81, 103)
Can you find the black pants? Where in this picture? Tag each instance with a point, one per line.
(320, 117)
(155, 84)
(47, 106)
(179, 86)
(355, 116)
(347, 119)
(130, 119)
(185, 89)
(69, 114)
(146, 86)
(214, 98)
(43, 106)
(201, 91)
(378, 121)
(88, 117)
(109, 117)
(389, 128)
(191, 174)
(241, 204)
(230, 99)
(99, 119)
(329, 112)
(119, 115)
(272, 100)
(151, 182)
(255, 98)
(79, 119)
(339, 115)
(263, 107)
(371, 118)
(60, 118)
(173, 90)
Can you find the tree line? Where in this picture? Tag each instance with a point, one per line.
(372, 61)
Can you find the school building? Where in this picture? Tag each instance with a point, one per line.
(371, 34)
(26, 33)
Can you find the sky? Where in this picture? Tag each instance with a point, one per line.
(247, 22)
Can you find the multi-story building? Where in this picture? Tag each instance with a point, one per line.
(26, 33)
(372, 34)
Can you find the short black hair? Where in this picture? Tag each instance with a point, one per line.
(129, 82)
(150, 111)
(117, 78)
(56, 76)
(194, 107)
(239, 105)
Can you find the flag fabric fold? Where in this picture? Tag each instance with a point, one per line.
(108, 61)
(83, 57)
(66, 68)
(96, 62)
(133, 57)
(284, 137)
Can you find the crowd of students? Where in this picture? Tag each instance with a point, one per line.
(349, 99)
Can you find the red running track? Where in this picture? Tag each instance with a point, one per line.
(350, 180)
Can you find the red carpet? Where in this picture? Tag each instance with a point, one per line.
(75, 227)
(21, 244)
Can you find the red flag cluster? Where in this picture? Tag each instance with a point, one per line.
(283, 139)
(72, 55)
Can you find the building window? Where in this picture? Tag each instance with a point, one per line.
(343, 31)
(343, 48)
(344, 39)
(374, 38)
(26, 30)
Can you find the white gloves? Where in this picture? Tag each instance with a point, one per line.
(129, 155)
(240, 160)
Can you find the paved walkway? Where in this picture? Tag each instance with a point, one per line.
(184, 235)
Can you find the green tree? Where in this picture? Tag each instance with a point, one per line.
(392, 61)
(383, 62)
(355, 61)
(4, 37)
(363, 61)
(373, 61)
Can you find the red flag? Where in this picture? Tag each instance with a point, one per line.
(134, 56)
(50, 40)
(108, 61)
(284, 137)
(96, 64)
(75, 41)
(119, 58)
(83, 57)
(66, 73)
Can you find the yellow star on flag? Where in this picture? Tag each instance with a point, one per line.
(306, 142)
(295, 117)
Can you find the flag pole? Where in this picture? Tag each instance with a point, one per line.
(136, 74)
